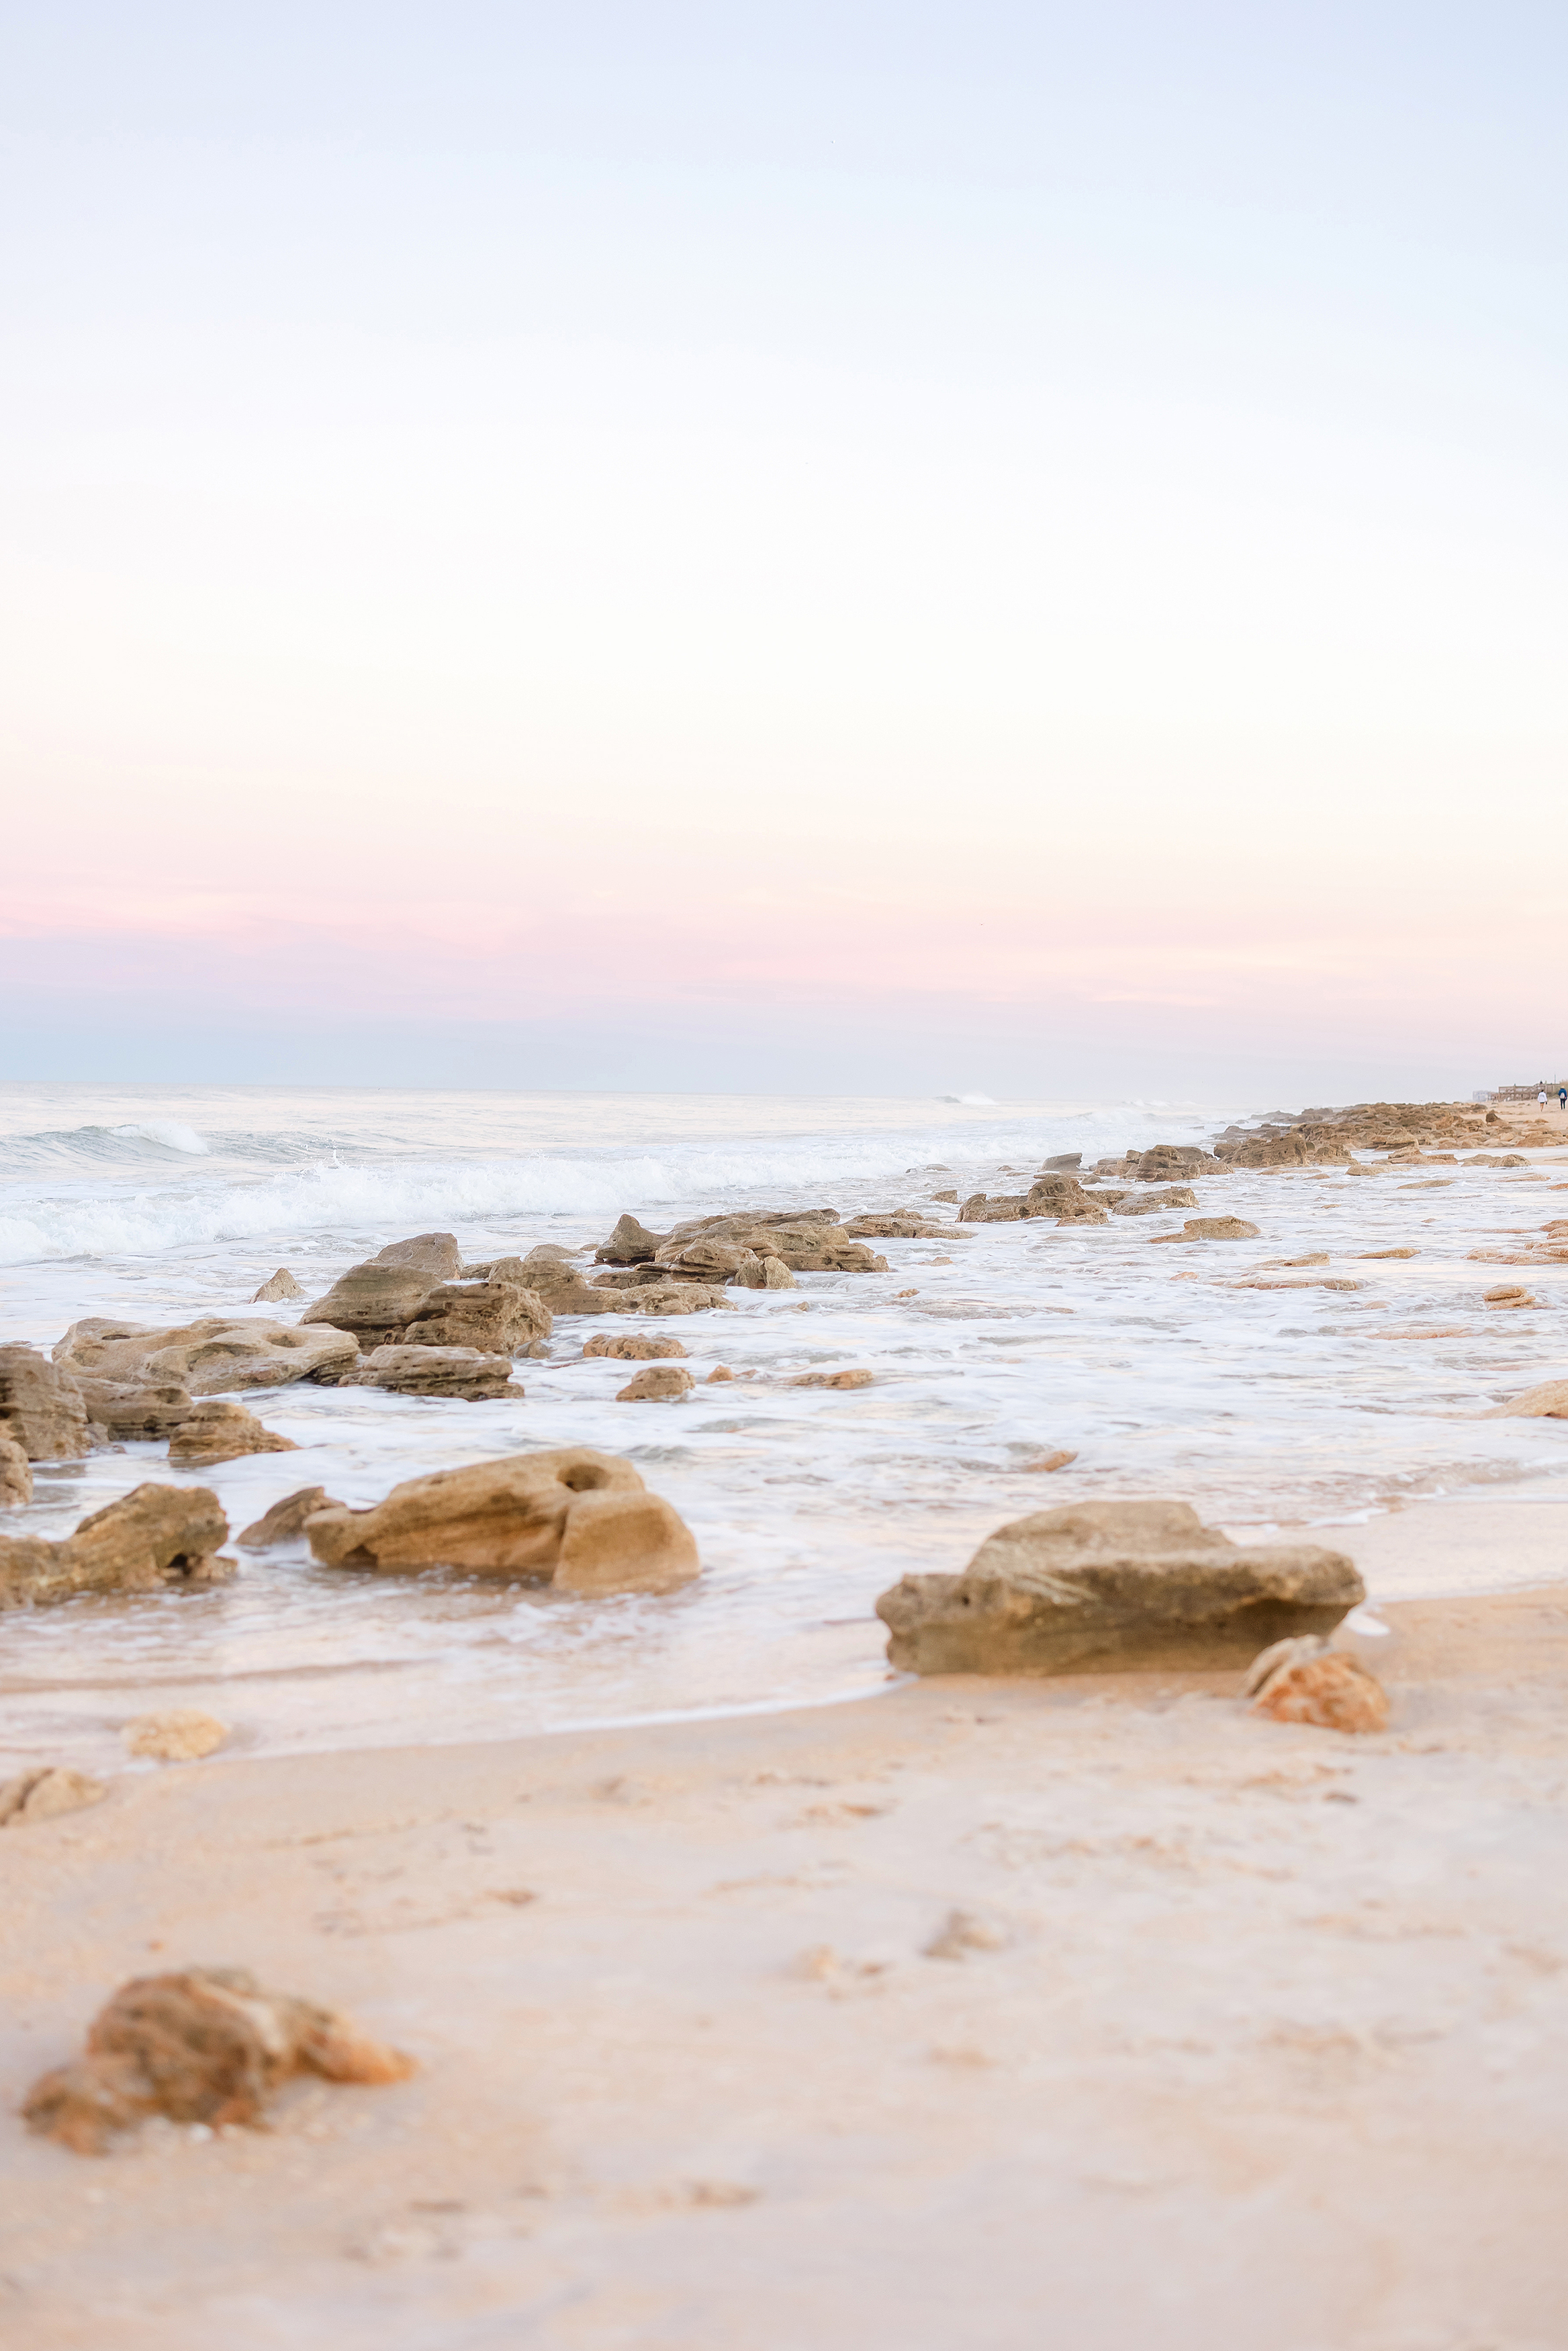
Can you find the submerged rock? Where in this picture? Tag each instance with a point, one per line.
(285, 1522)
(633, 1346)
(857, 1379)
(209, 2045)
(42, 1793)
(1548, 1400)
(219, 1354)
(581, 1520)
(158, 1538)
(1098, 1586)
(657, 1384)
(15, 1473)
(281, 1285)
(41, 1408)
(215, 1431)
(1144, 1203)
(1220, 1229)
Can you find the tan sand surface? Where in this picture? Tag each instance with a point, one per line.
(1258, 2035)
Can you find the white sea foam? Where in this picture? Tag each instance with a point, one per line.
(1253, 1405)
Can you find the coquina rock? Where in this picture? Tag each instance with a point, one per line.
(756, 1273)
(43, 1793)
(1546, 1401)
(374, 1301)
(629, 1244)
(127, 1411)
(657, 1384)
(634, 1346)
(41, 1406)
(217, 1431)
(1304, 1680)
(206, 1358)
(1219, 1228)
(1144, 1203)
(1164, 1161)
(282, 1284)
(436, 1254)
(285, 1522)
(896, 1224)
(465, 1373)
(1098, 1586)
(210, 2045)
(703, 1260)
(562, 1288)
(580, 1520)
(158, 1538)
(500, 1317)
(16, 1474)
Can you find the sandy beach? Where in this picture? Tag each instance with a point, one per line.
(987, 2012)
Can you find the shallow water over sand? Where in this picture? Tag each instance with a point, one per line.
(1259, 1406)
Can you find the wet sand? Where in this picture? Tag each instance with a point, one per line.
(1257, 2033)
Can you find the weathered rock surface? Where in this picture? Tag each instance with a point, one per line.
(1304, 1680)
(1220, 1229)
(856, 1379)
(215, 1431)
(281, 1285)
(666, 1297)
(1508, 1293)
(1100, 1586)
(41, 1406)
(764, 1273)
(892, 1225)
(127, 1410)
(373, 1302)
(436, 1254)
(633, 1347)
(285, 1522)
(1546, 1401)
(1064, 1162)
(40, 1794)
(208, 1358)
(158, 1538)
(15, 1473)
(629, 1244)
(209, 2045)
(579, 1518)
(657, 1384)
(499, 1316)
(703, 1260)
(1164, 1161)
(1145, 1204)
(464, 1372)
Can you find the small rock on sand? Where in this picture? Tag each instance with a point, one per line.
(282, 1285)
(659, 1384)
(208, 2046)
(181, 1735)
(38, 1795)
(961, 1934)
(1304, 1680)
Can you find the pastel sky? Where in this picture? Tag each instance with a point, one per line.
(856, 547)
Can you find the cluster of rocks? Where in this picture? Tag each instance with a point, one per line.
(57, 1411)
(1327, 1136)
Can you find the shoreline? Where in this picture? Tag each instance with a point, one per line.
(1280, 2009)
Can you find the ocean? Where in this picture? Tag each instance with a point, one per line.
(1263, 1408)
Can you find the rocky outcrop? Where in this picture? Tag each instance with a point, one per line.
(629, 1244)
(41, 1407)
(282, 1285)
(706, 1259)
(16, 1474)
(46, 1792)
(1164, 1162)
(657, 1384)
(465, 1373)
(285, 1522)
(580, 1520)
(210, 2045)
(207, 1358)
(374, 1301)
(436, 1254)
(215, 1431)
(156, 1538)
(128, 1411)
(1145, 1204)
(892, 1225)
(633, 1347)
(500, 1317)
(1060, 1196)
(1304, 1680)
(1100, 1586)
(756, 1273)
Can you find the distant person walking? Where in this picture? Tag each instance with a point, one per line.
(1563, 1098)
(1540, 1099)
